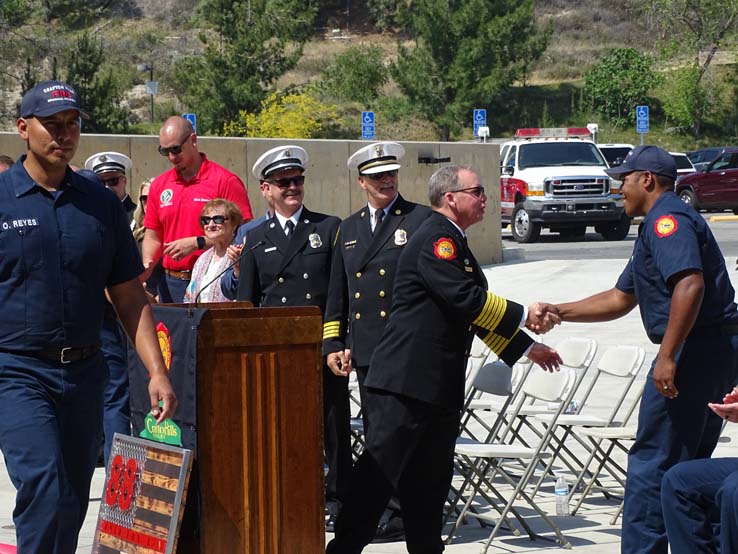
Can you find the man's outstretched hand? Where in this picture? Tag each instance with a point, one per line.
(545, 356)
(542, 317)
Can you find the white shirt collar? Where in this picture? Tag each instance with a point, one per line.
(386, 210)
(294, 219)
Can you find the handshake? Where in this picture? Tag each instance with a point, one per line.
(542, 317)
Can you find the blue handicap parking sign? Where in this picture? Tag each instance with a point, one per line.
(642, 119)
(192, 118)
(479, 120)
(367, 125)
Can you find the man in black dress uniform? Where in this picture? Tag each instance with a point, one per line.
(288, 263)
(415, 384)
(363, 275)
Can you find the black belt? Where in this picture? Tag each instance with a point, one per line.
(715, 331)
(66, 355)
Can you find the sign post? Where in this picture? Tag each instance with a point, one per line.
(641, 121)
(367, 125)
(479, 120)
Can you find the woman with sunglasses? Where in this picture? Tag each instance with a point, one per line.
(219, 220)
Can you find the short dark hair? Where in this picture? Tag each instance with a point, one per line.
(6, 160)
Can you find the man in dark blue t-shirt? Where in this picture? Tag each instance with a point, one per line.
(64, 240)
(677, 277)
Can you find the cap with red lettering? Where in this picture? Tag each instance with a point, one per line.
(48, 98)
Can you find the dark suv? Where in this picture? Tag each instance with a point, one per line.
(715, 187)
(702, 158)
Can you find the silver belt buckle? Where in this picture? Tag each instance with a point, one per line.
(64, 352)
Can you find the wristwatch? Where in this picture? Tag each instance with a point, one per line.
(200, 243)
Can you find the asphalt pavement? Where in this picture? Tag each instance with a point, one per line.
(554, 280)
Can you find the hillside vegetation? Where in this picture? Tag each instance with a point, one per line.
(339, 58)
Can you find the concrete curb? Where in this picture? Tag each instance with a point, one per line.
(723, 218)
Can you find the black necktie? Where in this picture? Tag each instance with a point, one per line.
(378, 217)
(289, 227)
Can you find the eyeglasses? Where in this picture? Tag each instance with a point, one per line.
(477, 192)
(287, 181)
(217, 219)
(111, 182)
(381, 175)
(176, 150)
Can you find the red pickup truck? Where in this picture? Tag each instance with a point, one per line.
(715, 187)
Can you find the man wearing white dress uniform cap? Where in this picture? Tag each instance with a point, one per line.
(288, 263)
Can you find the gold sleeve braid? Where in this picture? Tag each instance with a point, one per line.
(331, 329)
(492, 313)
(497, 343)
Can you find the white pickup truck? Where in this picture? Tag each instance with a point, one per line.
(555, 178)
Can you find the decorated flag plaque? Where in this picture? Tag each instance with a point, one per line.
(143, 498)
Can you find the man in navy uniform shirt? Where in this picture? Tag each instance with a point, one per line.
(700, 498)
(287, 263)
(414, 390)
(110, 168)
(64, 240)
(677, 277)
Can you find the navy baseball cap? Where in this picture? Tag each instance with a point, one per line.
(646, 158)
(48, 98)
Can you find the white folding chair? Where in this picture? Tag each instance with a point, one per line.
(576, 353)
(618, 362)
(488, 397)
(604, 441)
(485, 460)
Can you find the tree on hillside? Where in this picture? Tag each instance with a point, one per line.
(466, 52)
(698, 28)
(356, 75)
(98, 91)
(76, 13)
(620, 82)
(250, 45)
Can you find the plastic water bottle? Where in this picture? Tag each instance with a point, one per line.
(561, 490)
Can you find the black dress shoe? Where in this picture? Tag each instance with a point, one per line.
(392, 531)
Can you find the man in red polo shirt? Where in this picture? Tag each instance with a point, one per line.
(176, 198)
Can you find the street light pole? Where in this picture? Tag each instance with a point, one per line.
(150, 68)
(151, 77)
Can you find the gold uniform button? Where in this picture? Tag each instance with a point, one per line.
(358, 316)
(357, 295)
(381, 294)
(358, 274)
(382, 272)
(281, 279)
(382, 314)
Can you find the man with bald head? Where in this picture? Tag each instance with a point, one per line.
(176, 198)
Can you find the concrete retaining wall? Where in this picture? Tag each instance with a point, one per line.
(329, 187)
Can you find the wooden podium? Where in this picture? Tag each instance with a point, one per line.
(259, 430)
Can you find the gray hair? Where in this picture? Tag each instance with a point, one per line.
(444, 180)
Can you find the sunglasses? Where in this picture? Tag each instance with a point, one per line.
(477, 192)
(286, 182)
(112, 182)
(381, 175)
(176, 150)
(217, 219)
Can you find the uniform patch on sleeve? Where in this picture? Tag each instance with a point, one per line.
(665, 225)
(444, 249)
